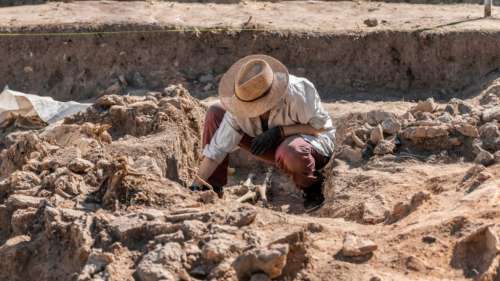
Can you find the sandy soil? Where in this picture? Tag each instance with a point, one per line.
(294, 15)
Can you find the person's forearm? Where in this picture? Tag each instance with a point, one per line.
(206, 169)
(300, 129)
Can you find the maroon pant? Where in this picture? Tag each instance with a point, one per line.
(294, 155)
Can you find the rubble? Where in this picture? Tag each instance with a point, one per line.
(102, 196)
(269, 260)
(355, 246)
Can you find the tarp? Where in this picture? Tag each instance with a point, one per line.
(46, 108)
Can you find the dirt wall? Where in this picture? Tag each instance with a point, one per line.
(400, 64)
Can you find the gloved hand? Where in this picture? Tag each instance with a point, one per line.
(266, 140)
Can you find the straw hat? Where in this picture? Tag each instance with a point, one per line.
(253, 85)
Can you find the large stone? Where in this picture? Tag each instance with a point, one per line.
(426, 106)
(490, 136)
(22, 220)
(355, 246)
(242, 216)
(391, 126)
(375, 117)
(491, 114)
(193, 229)
(467, 130)
(475, 253)
(424, 132)
(484, 158)
(18, 201)
(22, 180)
(163, 263)
(270, 260)
(215, 250)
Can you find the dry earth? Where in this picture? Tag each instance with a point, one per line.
(319, 16)
(102, 197)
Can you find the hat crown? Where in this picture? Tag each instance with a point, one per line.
(253, 80)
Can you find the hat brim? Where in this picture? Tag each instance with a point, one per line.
(260, 106)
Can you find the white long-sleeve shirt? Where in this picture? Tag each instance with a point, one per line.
(300, 105)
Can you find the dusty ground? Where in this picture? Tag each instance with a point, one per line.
(95, 199)
(317, 16)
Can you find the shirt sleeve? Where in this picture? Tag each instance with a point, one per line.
(226, 139)
(307, 106)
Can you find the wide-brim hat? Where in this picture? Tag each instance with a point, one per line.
(260, 105)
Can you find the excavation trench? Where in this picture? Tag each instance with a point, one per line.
(105, 191)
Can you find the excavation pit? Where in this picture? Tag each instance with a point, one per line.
(102, 196)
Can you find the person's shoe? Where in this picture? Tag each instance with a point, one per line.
(313, 197)
(220, 191)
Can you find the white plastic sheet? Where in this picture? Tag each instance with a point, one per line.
(46, 108)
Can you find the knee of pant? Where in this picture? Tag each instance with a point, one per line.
(293, 159)
(214, 112)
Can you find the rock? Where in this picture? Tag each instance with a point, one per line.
(23, 180)
(171, 237)
(350, 155)
(242, 216)
(391, 126)
(475, 252)
(451, 109)
(270, 260)
(408, 117)
(376, 135)
(374, 212)
(79, 165)
(375, 117)
(96, 262)
(425, 106)
(491, 114)
(215, 250)
(497, 156)
(416, 133)
(18, 201)
(473, 171)
(315, 227)
(371, 22)
(152, 214)
(415, 264)
(127, 228)
(384, 147)
(467, 130)
(490, 136)
(429, 239)
(484, 158)
(355, 246)
(402, 209)
(462, 106)
(22, 220)
(423, 116)
(193, 229)
(260, 277)
(445, 118)
(163, 263)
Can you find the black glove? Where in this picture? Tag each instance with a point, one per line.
(266, 140)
